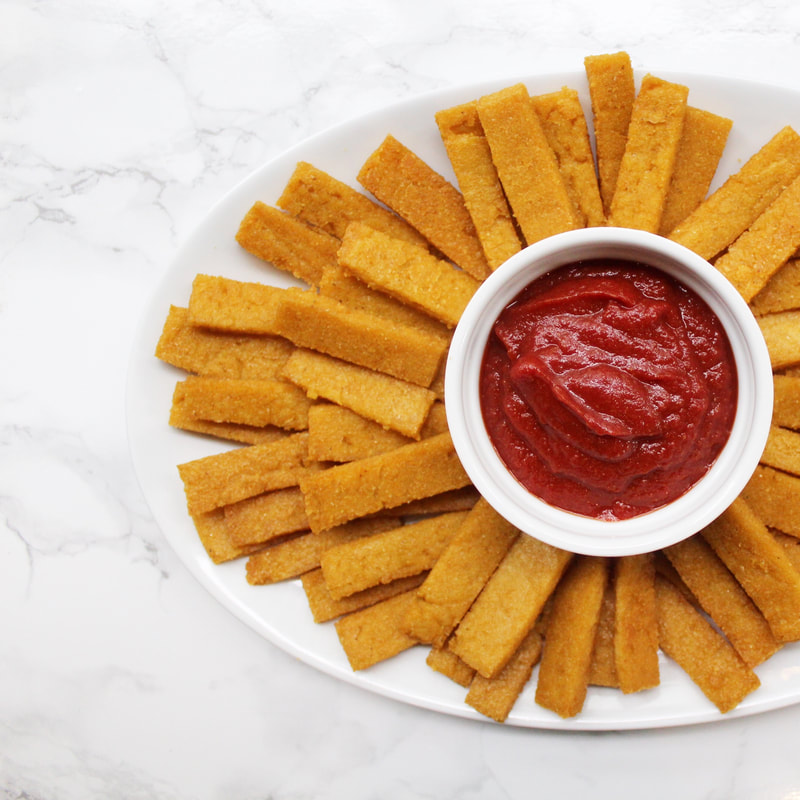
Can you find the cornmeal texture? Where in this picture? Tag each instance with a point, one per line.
(286, 242)
(319, 199)
(526, 164)
(348, 491)
(471, 159)
(404, 182)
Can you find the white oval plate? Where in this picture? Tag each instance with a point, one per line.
(280, 612)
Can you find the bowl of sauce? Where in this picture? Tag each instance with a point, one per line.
(608, 391)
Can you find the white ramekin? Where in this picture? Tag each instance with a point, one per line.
(670, 523)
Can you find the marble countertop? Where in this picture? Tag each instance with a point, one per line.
(122, 123)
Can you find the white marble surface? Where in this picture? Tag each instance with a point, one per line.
(120, 124)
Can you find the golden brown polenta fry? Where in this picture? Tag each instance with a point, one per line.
(565, 128)
(723, 599)
(765, 246)
(265, 517)
(319, 323)
(236, 306)
(408, 273)
(223, 355)
(495, 697)
(569, 637)
(411, 472)
(324, 608)
(338, 434)
(790, 545)
(603, 669)
(526, 164)
(782, 450)
(220, 479)
(635, 627)
(373, 634)
(645, 172)
(612, 91)
(427, 201)
(786, 401)
(750, 552)
(406, 550)
(213, 535)
(471, 159)
(180, 417)
(702, 144)
(454, 500)
(297, 555)
(392, 403)
(286, 242)
(329, 204)
(246, 401)
(447, 663)
(507, 608)
(704, 654)
(782, 292)
(775, 497)
(339, 284)
(781, 332)
(735, 205)
(460, 573)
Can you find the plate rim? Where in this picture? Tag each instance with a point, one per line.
(154, 309)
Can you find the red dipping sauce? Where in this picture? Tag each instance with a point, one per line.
(608, 388)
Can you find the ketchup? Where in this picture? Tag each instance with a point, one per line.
(608, 388)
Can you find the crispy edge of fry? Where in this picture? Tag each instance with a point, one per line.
(495, 697)
(229, 431)
(782, 450)
(729, 210)
(217, 480)
(207, 352)
(264, 517)
(300, 554)
(286, 242)
(399, 178)
(603, 669)
(213, 535)
(767, 244)
(411, 472)
(563, 677)
(402, 551)
(316, 197)
(391, 402)
(612, 92)
(325, 609)
(749, 551)
(722, 597)
(645, 172)
(782, 291)
(701, 147)
(781, 332)
(526, 164)
(447, 663)
(703, 653)
(373, 634)
(460, 574)
(256, 402)
(509, 605)
(471, 159)
(775, 497)
(407, 273)
(565, 128)
(635, 626)
(319, 323)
